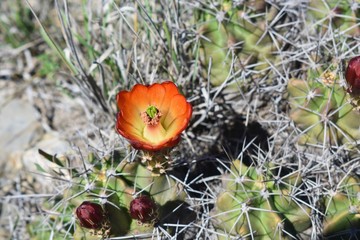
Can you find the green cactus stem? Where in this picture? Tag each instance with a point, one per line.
(230, 42)
(256, 205)
(331, 15)
(323, 113)
(114, 188)
(343, 210)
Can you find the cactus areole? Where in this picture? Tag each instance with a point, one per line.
(143, 209)
(352, 75)
(90, 215)
(152, 117)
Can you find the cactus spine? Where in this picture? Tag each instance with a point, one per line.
(235, 37)
(113, 183)
(342, 210)
(321, 108)
(257, 205)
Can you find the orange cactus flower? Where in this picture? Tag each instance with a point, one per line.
(152, 117)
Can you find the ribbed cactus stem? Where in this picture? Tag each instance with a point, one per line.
(323, 113)
(343, 209)
(238, 37)
(257, 205)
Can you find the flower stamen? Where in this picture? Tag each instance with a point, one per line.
(151, 116)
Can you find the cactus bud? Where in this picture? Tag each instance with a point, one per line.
(352, 75)
(91, 215)
(143, 209)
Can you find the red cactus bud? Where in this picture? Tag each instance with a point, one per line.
(352, 75)
(144, 209)
(91, 215)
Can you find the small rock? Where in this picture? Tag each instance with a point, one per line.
(20, 127)
(51, 144)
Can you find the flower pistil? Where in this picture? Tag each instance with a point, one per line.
(151, 116)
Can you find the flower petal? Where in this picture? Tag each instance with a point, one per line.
(170, 91)
(127, 129)
(128, 110)
(178, 106)
(179, 124)
(154, 134)
(156, 95)
(140, 98)
(123, 99)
